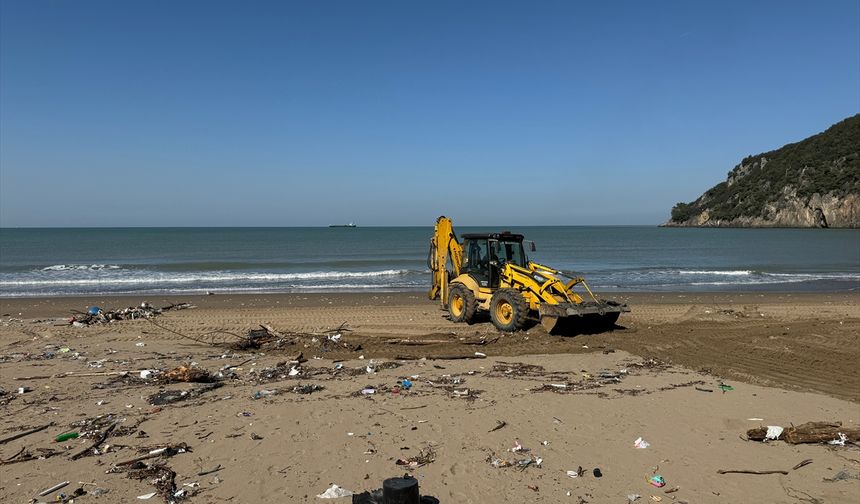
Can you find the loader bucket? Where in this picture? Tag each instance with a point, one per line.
(583, 318)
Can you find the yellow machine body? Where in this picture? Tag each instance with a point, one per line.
(508, 285)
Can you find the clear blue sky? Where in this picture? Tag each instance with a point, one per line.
(391, 113)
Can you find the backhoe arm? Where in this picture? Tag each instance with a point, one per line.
(443, 247)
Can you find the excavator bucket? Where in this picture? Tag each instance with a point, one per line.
(585, 317)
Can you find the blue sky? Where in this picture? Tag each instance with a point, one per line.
(391, 113)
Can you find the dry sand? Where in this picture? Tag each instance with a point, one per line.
(790, 358)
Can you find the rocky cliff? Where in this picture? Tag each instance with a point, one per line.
(811, 183)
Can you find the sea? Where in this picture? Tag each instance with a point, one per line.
(129, 261)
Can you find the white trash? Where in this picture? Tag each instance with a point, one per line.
(334, 492)
(773, 432)
(641, 443)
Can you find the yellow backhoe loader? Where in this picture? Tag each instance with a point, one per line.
(490, 272)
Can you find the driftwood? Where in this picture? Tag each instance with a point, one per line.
(439, 357)
(810, 432)
(25, 433)
(744, 471)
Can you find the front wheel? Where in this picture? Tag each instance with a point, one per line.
(461, 304)
(508, 310)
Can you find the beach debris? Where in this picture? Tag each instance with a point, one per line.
(19, 435)
(172, 396)
(334, 492)
(842, 475)
(745, 471)
(424, 457)
(499, 425)
(307, 389)
(811, 432)
(633, 497)
(596, 472)
(66, 436)
(773, 432)
(158, 475)
(641, 443)
(96, 315)
(25, 455)
(53, 489)
(521, 464)
(725, 388)
(186, 374)
(264, 393)
(657, 481)
(24, 390)
(577, 473)
(94, 448)
(802, 463)
(210, 471)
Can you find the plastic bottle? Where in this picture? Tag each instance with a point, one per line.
(67, 436)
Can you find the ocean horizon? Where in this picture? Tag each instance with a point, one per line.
(42, 262)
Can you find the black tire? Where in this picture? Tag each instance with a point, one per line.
(508, 310)
(461, 303)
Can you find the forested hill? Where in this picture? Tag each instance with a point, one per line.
(811, 183)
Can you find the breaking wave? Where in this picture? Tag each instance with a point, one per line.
(81, 267)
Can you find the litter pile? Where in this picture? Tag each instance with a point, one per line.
(96, 315)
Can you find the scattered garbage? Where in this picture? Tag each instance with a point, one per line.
(641, 443)
(424, 457)
(67, 436)
(633, 497)
(726, 388)
(406, 384)
(521, 464)
(307, 389)
(53, 488)
(264, 393)
(499, 424)
(96, 315)
(577, 473)
(147, 496)
(334, 492)
(186, 374)
(773, 432)
(657, 481)
(842, 475)
(172, 396)
(24, 390)
(597, 473)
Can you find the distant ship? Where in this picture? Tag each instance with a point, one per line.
(351, 224)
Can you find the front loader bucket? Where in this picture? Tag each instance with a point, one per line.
(587, 317)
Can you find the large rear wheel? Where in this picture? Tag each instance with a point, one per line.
(461, 303)
(508, 310)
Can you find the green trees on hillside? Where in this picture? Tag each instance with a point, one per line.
(825, 163)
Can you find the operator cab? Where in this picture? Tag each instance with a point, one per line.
(485, 254)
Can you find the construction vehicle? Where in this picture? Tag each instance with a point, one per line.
(490, 272)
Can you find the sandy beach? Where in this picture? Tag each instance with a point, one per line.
(579, 400)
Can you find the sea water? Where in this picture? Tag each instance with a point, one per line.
(55, 262)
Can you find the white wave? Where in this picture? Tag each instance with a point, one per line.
(143, 278)
(720, 273)
(80, 267)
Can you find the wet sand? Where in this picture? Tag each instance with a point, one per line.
(790, 358)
